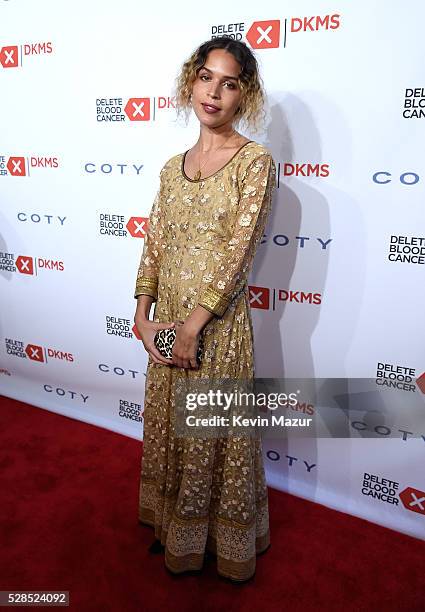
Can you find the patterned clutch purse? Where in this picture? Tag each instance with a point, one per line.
(164, 342)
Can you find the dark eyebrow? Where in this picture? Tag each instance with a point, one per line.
(225, 77)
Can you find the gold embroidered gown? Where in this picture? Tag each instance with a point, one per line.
(205, 494)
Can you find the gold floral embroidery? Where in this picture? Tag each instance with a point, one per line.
(213, 300)
(198, 494)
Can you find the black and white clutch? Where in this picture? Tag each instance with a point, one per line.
(164, 341)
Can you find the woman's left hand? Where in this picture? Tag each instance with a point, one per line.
(186, 345)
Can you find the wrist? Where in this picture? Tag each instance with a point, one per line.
(143, 308)
(141, 317)
(199, 318)
(192, 327)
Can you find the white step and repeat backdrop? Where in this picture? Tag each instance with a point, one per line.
(87, 120)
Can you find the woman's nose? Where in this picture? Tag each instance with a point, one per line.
(214, 91)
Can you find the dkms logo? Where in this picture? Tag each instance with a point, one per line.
(12, 56)
(25, 264)
(34, 352)
(266, 34)
(132, 109)
(21, 166)
(269, 299)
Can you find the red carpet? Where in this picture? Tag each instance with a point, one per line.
(69, 522)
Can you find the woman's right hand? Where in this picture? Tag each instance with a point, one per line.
(147, 330)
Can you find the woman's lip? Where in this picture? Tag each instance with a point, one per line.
(210, 109)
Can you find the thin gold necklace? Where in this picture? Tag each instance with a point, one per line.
(198, 174)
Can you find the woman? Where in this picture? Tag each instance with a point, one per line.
(205, 495)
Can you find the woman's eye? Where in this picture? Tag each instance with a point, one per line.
(229, 83)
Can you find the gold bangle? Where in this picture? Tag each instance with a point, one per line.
(146, 285)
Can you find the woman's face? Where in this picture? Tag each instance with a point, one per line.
(216, 85)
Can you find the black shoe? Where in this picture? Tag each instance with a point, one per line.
(156, 547)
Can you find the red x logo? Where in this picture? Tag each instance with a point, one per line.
(25, 264)
(264, 34)
(138, 109)
(9, 57)
(34, 352)
(16, 166)
(137, 226)
(259, 297)
(413, 499)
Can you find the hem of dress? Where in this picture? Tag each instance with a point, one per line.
(194, 562)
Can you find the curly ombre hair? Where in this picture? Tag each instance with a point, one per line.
(251, 107)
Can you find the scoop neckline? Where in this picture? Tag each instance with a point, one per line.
(216, 172)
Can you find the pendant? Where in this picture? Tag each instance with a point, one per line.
(198, 175)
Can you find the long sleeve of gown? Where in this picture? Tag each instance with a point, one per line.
(257, 185)
(150, 261)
